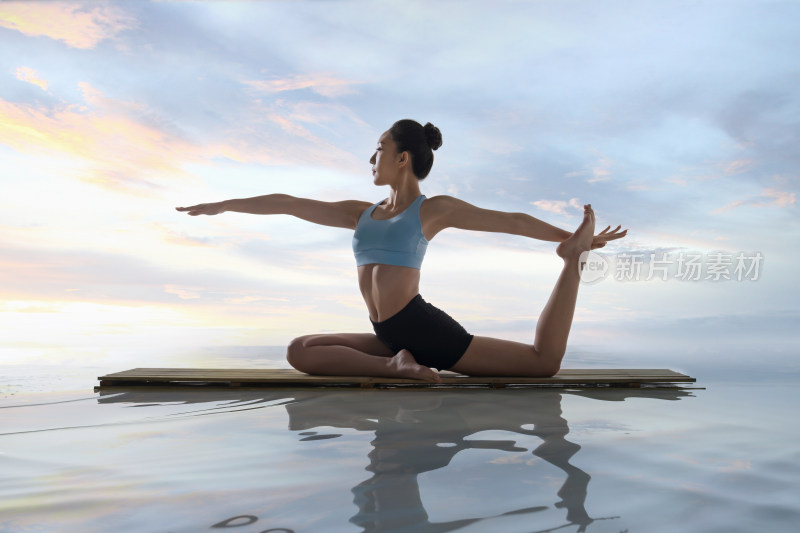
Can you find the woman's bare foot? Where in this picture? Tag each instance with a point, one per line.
(580, 241)
(407, 367)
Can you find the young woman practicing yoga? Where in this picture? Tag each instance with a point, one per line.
(412, 337)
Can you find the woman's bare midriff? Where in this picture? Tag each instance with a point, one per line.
(387, 288)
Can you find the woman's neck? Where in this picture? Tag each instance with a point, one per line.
(402, 195)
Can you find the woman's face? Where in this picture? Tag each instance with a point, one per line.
(384, 160)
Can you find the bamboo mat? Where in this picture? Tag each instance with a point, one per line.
(247, 377)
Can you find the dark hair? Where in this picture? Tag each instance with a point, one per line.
(420, 141)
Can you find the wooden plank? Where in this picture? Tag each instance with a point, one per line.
(290, 377)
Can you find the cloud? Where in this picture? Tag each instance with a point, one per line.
(78, 26)
(101, 276)
(286, 132)
(597, 172)
(768, 198)
(180, 238)
(29, 75)
(600, 171)
(779, 198)
(322, 84)
(324, 113)
(125, 146)
(183, 292)
(738, 166)
(558, 206)
(123, 152)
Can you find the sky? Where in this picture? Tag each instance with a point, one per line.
(679, 120)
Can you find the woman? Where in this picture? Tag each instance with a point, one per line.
(411, 336)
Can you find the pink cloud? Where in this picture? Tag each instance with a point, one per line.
(29, 75)
(779, 198)
(78, 26)
(184, 292)
(321, 84)
(118, 149)
(601, 170)
(738, 166)
(558, 206)
(116, 144)
(768, 198)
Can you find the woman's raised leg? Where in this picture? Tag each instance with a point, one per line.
(353, 354)
(489, 356)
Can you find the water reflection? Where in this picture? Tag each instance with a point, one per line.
(421, 431)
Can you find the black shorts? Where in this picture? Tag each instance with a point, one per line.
(431, 335)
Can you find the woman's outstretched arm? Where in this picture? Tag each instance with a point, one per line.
(342, 214)
(449, 212)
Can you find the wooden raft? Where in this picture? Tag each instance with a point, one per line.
(247, 377)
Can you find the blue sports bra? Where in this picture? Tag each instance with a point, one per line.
(394, 241)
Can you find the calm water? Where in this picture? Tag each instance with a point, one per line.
(726, 458)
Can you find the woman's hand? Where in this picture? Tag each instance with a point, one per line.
(204, 209)
(604, 236)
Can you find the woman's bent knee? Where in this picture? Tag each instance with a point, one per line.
(547, 364)
(547, 370)
(296, 354)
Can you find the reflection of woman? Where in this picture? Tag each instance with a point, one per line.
(390, 500)
(411, 336)
(419, 433)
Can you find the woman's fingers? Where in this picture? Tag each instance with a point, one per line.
(611, 234)
(199, 209)
(605, 236)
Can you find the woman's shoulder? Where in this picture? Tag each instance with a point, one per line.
(436, 213)
(437, 207)
(442, 203)
(441, 200)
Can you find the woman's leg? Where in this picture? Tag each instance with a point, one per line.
(488, 356)
(353, 354)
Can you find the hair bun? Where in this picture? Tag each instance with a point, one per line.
(433, 136)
